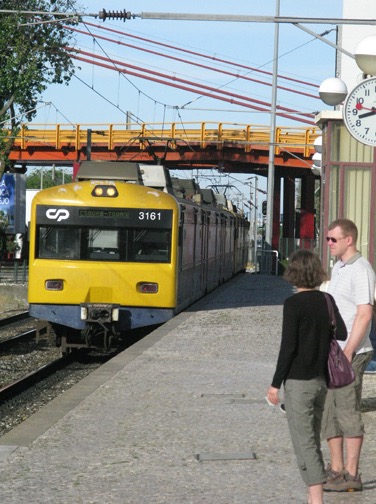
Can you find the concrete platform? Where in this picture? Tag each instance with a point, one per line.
(179, 417)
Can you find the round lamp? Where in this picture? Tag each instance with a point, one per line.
(317, 144)
(316, 158)
(333, 91)
(365, 55)
(316, 170)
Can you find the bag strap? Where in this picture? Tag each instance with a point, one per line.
(332, 316)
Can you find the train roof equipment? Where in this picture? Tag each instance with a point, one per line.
(157, 177)
(105, 170)
(208, 197)
(220, 200)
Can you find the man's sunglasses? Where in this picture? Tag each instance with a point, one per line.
(334, 240)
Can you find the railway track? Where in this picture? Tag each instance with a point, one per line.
(19, 317)
(10, 328)
(33, 373)
(23, 360)
(20, 385)
(11, 341)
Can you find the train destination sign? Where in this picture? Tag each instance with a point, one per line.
(100, 216)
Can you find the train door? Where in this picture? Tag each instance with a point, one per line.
(213, 261)
(187, 241)
(222, 248)
(198, 250)
(205, 221)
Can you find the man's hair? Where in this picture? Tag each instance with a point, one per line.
(305, 270)
(348, 228)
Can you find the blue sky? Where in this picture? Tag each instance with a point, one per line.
(251, 44)
(98, 95)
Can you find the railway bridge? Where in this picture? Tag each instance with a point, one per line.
(228, 147)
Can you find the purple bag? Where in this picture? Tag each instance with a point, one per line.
(340, 371)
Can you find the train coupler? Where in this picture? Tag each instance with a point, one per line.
(99, 312)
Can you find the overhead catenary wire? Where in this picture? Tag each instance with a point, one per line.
(178, 79)
(221, 60)
(129, 81)
(200, 65)
(202, 89)
(202, 55)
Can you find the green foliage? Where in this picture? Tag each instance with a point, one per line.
(32, 55)
(43, 178)
(8, 243)
(3, 221)
(11, 246)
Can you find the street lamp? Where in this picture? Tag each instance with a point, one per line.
(365, 55)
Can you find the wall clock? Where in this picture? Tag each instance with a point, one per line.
(359, 112)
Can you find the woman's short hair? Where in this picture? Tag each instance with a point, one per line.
(305, 270)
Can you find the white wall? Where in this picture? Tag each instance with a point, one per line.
(351, 35)
(30, 193)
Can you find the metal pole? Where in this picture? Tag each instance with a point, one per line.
(174, 16)
(255, 229)
(270, 193)
(88, 145)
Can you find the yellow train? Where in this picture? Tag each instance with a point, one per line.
(123, 247)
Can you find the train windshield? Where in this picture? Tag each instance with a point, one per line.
(104, 244)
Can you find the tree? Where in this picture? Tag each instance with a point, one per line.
(32, 55)
(47, 178)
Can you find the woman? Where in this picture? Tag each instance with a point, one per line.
(302, 365)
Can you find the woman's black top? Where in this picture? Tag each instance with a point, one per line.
(305, 337)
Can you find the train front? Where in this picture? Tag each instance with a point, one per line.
(102, 260)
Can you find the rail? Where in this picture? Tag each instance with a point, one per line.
(112, 136)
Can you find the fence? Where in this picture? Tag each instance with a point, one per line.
(14, 272)
(274, 261)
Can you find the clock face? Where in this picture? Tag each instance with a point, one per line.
(359, 112)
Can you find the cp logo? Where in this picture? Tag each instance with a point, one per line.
(57, 214)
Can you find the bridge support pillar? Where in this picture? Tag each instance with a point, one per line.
(276, 211)
(288, 212)
(307, 213)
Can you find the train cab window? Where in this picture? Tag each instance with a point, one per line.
(151, 245)
(103, 244)
(98, 244)
(58, 243)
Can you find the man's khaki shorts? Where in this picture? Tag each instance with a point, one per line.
(342, 414)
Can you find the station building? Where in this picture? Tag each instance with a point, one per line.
(348, 180)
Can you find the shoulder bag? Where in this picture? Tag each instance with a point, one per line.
(340, 371)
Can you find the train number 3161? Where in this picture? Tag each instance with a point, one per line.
(151, 216)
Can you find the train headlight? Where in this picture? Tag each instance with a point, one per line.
(147, 287)
(105, 191)
(115, 314)
(54, 285)
(83, 313)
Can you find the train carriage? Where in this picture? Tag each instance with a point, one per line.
(109, 254)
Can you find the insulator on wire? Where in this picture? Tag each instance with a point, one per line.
(103, 14)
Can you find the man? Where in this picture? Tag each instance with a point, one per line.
(352, 285)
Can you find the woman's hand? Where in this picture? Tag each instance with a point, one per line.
(273, 395)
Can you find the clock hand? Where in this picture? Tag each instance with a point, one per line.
(360, 106)
(366, 114)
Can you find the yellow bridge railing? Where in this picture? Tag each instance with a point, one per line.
(248, 136)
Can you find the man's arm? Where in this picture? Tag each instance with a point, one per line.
(361, 321)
